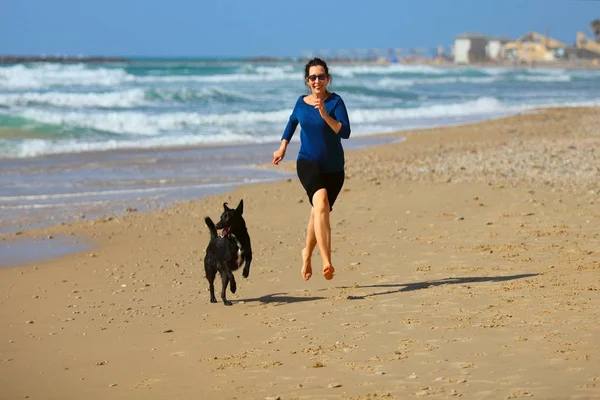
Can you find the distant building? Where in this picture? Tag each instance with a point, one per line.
(470, 48)
(495, 47)
(534, 47)
(586, 47)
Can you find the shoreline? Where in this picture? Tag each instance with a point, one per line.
(466, 265)
(108, 192)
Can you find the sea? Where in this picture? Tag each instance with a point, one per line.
(85, 140)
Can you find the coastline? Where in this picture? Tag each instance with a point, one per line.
(466, 261)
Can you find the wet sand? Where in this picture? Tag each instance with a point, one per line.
(49, 190)
(30, 250)
(467, 265)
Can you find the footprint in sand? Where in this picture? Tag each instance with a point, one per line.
(146, 383)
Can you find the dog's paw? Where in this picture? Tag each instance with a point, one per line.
(233, 287)
(227, 303)
(213, 300)
(245, 273)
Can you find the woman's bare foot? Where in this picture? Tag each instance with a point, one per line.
(328, 272)
(306, 265)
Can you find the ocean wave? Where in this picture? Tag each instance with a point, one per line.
(140, 123)
(222, 78)
(399, 83)
(484, 105)
(19, 76)
(187, 95)
(365, 121)
(131, 98)
(36, 147)
(43, 76)
(261, 69)
(349, 71)
(143, 124)
(544, 78)
(121, 99)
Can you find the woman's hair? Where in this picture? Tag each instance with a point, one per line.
(316, 62)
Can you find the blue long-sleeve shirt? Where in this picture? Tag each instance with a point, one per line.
(318, 142)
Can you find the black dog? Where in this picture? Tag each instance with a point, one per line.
(226, 253)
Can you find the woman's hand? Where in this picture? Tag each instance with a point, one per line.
(335, 125)
(320, 105)
(278, 155)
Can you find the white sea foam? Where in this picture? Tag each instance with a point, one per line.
(366, 122)
(493, 71)
(49, 75)
(269, 70)
(223, 78)
(143, 124)
(37, 147)
(208, 93)
(19, 77)
(131, 98)
(121, 99)
(484, 105)
(139, 123)
(544, 78)
(407, 82)
(349, 71)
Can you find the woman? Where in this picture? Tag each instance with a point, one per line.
(320, 165)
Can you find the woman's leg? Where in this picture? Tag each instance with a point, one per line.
(307, 251)
(322, 229)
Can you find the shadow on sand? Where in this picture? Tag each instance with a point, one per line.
(281, 298)
(407, 287)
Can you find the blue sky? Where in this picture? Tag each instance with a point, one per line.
(225, 28)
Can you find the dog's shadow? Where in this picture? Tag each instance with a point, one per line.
(407, 287)
(281, 298)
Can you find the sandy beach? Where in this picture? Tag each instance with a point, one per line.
(467, 265)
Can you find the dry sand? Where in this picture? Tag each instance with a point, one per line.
(467, 265)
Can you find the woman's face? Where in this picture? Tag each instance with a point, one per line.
(317, 79)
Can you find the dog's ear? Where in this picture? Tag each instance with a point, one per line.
(240, 207)
(225, 207)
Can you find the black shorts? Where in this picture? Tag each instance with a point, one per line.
(313, 179)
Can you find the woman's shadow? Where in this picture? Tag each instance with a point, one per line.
(284, 298)
(407, 287)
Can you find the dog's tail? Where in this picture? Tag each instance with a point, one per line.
(211, 227)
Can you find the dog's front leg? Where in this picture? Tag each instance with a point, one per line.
(225, 282)
(246, 271)
(211, 274)
(211, 288)
(232, 283)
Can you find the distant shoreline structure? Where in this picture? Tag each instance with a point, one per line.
(65, 59)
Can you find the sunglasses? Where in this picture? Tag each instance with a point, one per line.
(320, 77)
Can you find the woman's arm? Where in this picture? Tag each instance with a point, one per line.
(340, 124)
(286, 137)
(280, 152)
(341, 115)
